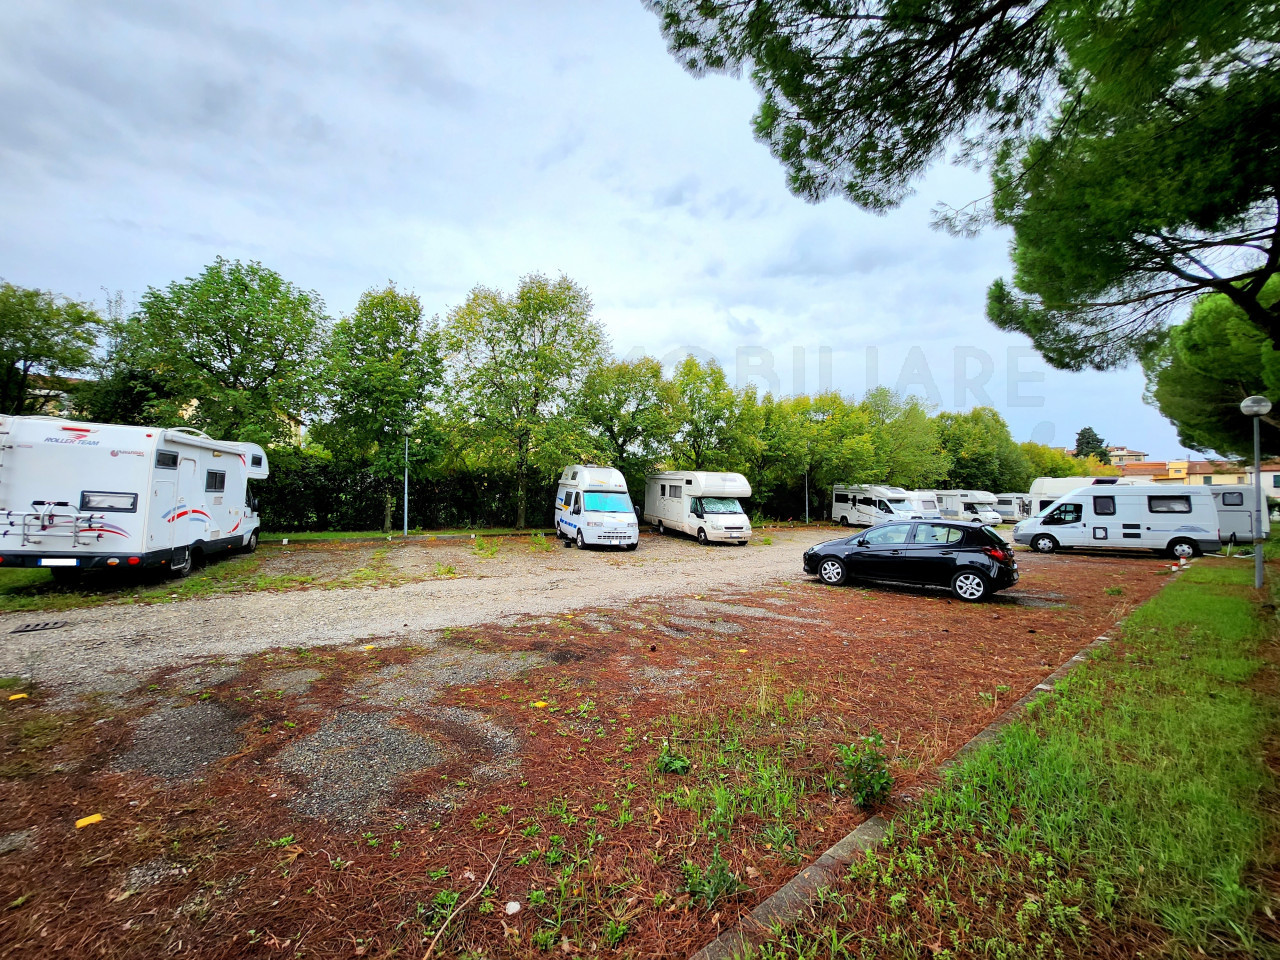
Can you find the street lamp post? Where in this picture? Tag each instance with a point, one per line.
(1257, 407)
(406, 481)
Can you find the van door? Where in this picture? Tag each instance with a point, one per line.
(1066, 524)
(1103, 527)
(164, 497)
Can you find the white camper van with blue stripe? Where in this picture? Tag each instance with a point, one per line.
(593, 508)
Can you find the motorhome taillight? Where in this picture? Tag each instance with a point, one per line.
(134, 561)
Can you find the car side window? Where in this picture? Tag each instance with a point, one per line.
(893, 533)
(936, 533)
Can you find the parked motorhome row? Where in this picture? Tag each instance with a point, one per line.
(865, 505)
(77, 495)
(976, 505)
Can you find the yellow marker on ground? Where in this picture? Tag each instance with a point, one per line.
(540, 704)
(85, 821)
(18, 696)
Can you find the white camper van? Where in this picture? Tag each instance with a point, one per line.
(1046, 490)
(1235, 513)
(699, 503)
(967, 505)
(869, 505)
(77, 495)
(1181, 521)
(594, 508)
(925, 503)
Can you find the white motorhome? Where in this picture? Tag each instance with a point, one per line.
(978, 505)
(78, 495)
(1180, 521)
(1012, 507)
(593, 508)
(700, 503)
(869, 505)
(1046, 490)
(925, 503)
(1235, 513)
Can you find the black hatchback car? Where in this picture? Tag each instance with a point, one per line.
(971, 559)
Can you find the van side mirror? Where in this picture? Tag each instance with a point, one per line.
(577, 509)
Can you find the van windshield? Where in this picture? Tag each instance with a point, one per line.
(900, 504)
(720, 505)
(606, 503)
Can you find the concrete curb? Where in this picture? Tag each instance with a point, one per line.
(785, 905)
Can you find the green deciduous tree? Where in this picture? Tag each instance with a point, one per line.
(382, 372)
(628, 408)
(1201, 370)
(1050, 461)
(983, 454)
(707, 413)
(516, 366)
(238, 348)
(42, 337)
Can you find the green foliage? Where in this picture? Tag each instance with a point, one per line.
(1201, 370)
(1089, 444)
(237, 347)
(706, 416)
(515, 367)
(982, 452)
(669, 761)
(628, 408)
(866, 770)
(713, 884)
(42, 337)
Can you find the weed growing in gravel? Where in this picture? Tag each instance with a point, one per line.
(668, 761)
(539, 543)
(445, 570)
(485, 547)
(1114, 591)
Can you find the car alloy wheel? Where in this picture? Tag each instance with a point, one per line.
(831, 571)
(968, 585)
(1044, 544)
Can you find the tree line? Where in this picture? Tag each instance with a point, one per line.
(485, 403)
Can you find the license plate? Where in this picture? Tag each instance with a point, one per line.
(59, 562)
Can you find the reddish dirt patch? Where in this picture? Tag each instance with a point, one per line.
(780, 676)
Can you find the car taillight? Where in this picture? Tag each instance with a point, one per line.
(997, 553)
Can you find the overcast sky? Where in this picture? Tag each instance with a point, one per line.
(473, 143)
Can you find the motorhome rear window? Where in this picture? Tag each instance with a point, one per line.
(1104, 506)
(102, 501)
(1233, 498)
(842, 498)
(215, 481)
(256, 460)
(1169, 504)
(166, 460)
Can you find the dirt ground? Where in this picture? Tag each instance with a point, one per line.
(574, 775)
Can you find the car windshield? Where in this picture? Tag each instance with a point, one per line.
(607, 503)
(720, 505)
(979, 507)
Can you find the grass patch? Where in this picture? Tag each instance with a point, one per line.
(1129, 807)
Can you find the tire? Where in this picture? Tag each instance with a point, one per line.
(662, 529)
(252, 545)
(632, 546)
(742, 543)
(844, 521)
(581, 541)
(831, 571)
(1043, 543)
(970, 586)
(1183, 549)
(702, 537)
(184, 570)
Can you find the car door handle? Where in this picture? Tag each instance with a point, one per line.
(947, 553)
(894, 553)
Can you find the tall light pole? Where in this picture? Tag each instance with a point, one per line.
(1257, 407)
(407, 430)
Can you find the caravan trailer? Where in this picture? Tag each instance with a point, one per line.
(1013, 507)
(868, 505)
(78, 495)
(593, 507)
(699, 503)
(1179, 520)
(967, 505)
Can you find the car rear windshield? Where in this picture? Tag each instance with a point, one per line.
(985, 535)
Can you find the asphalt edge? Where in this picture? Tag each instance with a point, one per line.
(784, 905)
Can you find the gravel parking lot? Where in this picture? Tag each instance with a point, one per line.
(518, 581)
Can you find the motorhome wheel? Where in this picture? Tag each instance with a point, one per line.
(702, 536)
(252, 545)
(582, 541)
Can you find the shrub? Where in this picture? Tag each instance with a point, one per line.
(713, 884)
(866, 770)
